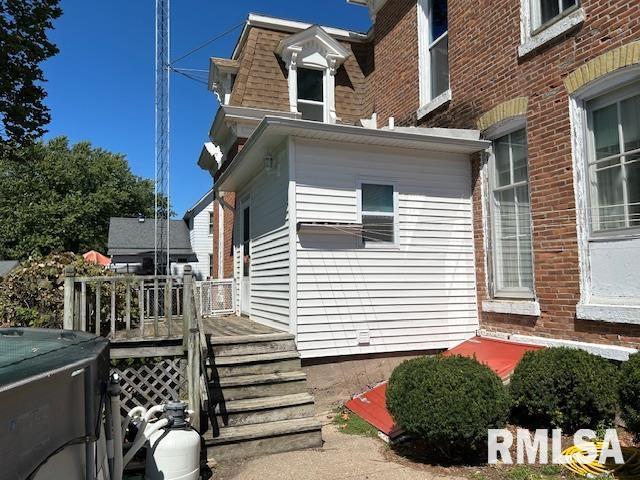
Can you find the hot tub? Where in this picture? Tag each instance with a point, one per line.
(52, 389)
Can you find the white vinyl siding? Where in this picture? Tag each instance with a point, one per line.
(269, 246)
(201, 241)
(419, 295)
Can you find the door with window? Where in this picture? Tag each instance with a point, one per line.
(245, 269)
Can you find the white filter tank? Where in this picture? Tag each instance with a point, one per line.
(174, 451)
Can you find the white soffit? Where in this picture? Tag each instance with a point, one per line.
(272, 131)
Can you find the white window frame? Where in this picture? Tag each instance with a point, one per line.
(504, 128)
(588, 307)
(324, 102)
(428, 102)
(533, 37)
(211, 223)
(599, 101)
(395, 215)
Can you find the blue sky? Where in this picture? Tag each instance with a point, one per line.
(101, 84)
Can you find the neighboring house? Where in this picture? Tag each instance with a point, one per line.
(6, 266)
(357, 240)
(345, 224)
(199, 220)
(131, 245)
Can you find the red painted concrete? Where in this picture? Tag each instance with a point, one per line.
(501, 356)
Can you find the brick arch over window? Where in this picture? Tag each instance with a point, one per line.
(602, 65)
(511, 108)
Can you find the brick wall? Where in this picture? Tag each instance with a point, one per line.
(485, 70)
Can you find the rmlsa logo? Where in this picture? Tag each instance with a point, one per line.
(587, 456)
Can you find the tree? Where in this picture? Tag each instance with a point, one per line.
(23, 46)
(60, 198)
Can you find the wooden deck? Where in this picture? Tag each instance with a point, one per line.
(233, 326)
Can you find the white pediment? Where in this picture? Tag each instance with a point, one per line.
(313, 47)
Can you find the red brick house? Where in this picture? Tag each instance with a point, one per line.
(554, 89)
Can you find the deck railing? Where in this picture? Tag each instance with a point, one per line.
(216, 297)
(139, 308)
(125, 306)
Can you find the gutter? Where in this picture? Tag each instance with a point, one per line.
(292, 127)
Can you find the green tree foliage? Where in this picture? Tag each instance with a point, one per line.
(564, 388)
(630, 394)
(23, 46)
(59, 197)
(448, 402)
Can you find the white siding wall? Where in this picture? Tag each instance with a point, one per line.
(419, 295)
(201, 242)
(269, 246)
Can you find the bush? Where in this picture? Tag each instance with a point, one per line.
(449, 402)
(32, 295)
(630, 394)
(564, 388)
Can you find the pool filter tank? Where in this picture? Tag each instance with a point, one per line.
(173, 452)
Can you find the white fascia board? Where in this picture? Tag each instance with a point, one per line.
(273, 129)
(229, 114)
(292, 26)
(612, 352)
(205, 200)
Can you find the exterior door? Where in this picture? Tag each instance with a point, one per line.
(245, 282)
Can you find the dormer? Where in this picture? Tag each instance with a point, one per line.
(312, 58)
(222, 75)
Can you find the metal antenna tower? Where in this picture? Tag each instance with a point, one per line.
(162, 198)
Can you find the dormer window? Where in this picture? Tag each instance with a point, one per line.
(311, 94)
(312, 58)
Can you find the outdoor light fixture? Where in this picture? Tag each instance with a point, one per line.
(269, 163)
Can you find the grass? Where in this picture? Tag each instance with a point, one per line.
(351, 424)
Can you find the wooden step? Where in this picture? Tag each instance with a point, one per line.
(256, 386)
(275, 362)
(252, 344)
(265, 438)
(264, 410)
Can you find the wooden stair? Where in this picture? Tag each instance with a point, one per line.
(258, 398)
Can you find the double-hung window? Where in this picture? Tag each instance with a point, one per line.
(433, 38)
(511, 217)
(545, 12)
(614, 160)
(311, 94)
(210, 223)
(378, 214)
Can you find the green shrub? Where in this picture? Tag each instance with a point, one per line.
(564, 388)
(630, 394)
(449, 402)
(32, 295)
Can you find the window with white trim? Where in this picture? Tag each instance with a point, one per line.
(433, 36)
(377, 202)
(311, 94)
(511, 217)
(210, 223)
(613, 155)
(546, 12)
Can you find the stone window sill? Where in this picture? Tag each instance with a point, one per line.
(437, 102)
(513, 307)
(562, 26)
(609, 313)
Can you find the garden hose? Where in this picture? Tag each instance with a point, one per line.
(629, 470)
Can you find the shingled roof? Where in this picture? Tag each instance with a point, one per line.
(131, 236)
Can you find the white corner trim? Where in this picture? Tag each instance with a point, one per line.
(612, 352)
(515, 307)
(437, 102)
(293, 239)
(609, 313)
(560, 27)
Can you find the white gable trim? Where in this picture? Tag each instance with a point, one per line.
(313, 48)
